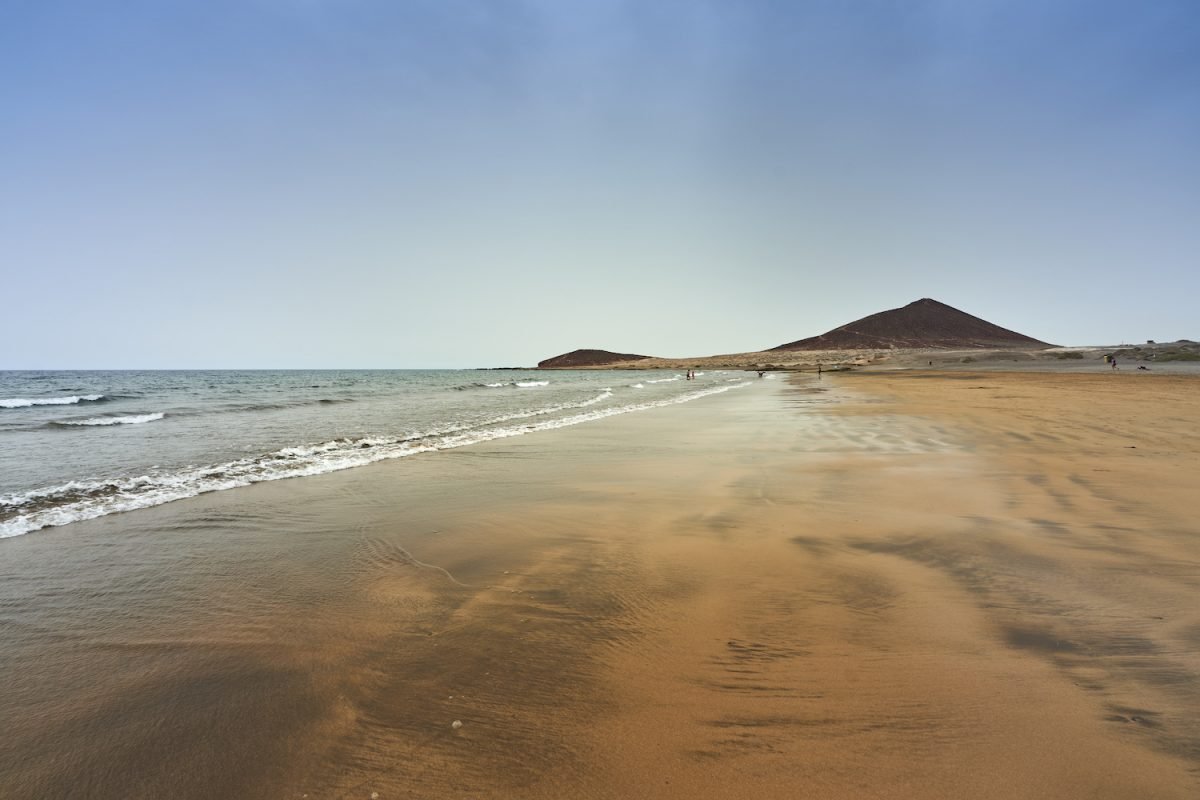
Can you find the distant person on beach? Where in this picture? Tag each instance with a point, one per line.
(818, 370)
(1114, 362)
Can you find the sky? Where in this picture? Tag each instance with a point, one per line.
(450, 183)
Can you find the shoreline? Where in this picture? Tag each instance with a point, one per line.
(879, 584)
(73, 498)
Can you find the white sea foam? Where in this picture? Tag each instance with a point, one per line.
(531, 384)
(636, 386)
(80, 500)
(607, 393)
(664, 380)
(536, 412)
(131, 419)
(26, 402)
(495, 385)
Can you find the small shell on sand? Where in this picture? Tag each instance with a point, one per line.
(456, 724)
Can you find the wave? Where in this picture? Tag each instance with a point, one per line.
(636, 386)
(277, 405)
(131, 419)
(600, 398)
(26, 402)
(665, 380)
(33, 510)
(518, 384)
(467, 386)
(516, 415)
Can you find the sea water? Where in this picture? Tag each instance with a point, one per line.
(79, 445)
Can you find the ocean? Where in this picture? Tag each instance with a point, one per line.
(80, 445)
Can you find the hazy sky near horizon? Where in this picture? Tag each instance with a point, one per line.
(446, 183)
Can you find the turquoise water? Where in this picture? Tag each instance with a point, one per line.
(78, 445)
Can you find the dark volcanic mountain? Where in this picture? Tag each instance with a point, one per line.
(924, 323)
(586, 358)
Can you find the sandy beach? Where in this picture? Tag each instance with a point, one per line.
(900, 584)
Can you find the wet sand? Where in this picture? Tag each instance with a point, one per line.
(904, 584)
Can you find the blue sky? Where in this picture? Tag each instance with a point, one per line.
(290, 183)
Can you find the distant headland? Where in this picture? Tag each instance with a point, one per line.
(921, 325)
(925, 332)
(577, 359)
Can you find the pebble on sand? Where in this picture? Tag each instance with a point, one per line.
(456, 724)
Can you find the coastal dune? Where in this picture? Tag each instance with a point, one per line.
(903, 584)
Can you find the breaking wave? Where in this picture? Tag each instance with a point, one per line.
(26, 402)
(131, 419)
(501, 385)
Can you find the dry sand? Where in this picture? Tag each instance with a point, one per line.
(901, 585)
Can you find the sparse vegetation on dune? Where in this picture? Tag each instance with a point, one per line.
(1178, 355)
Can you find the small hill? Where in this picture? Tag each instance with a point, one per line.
(587, 358)
(923, 323)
